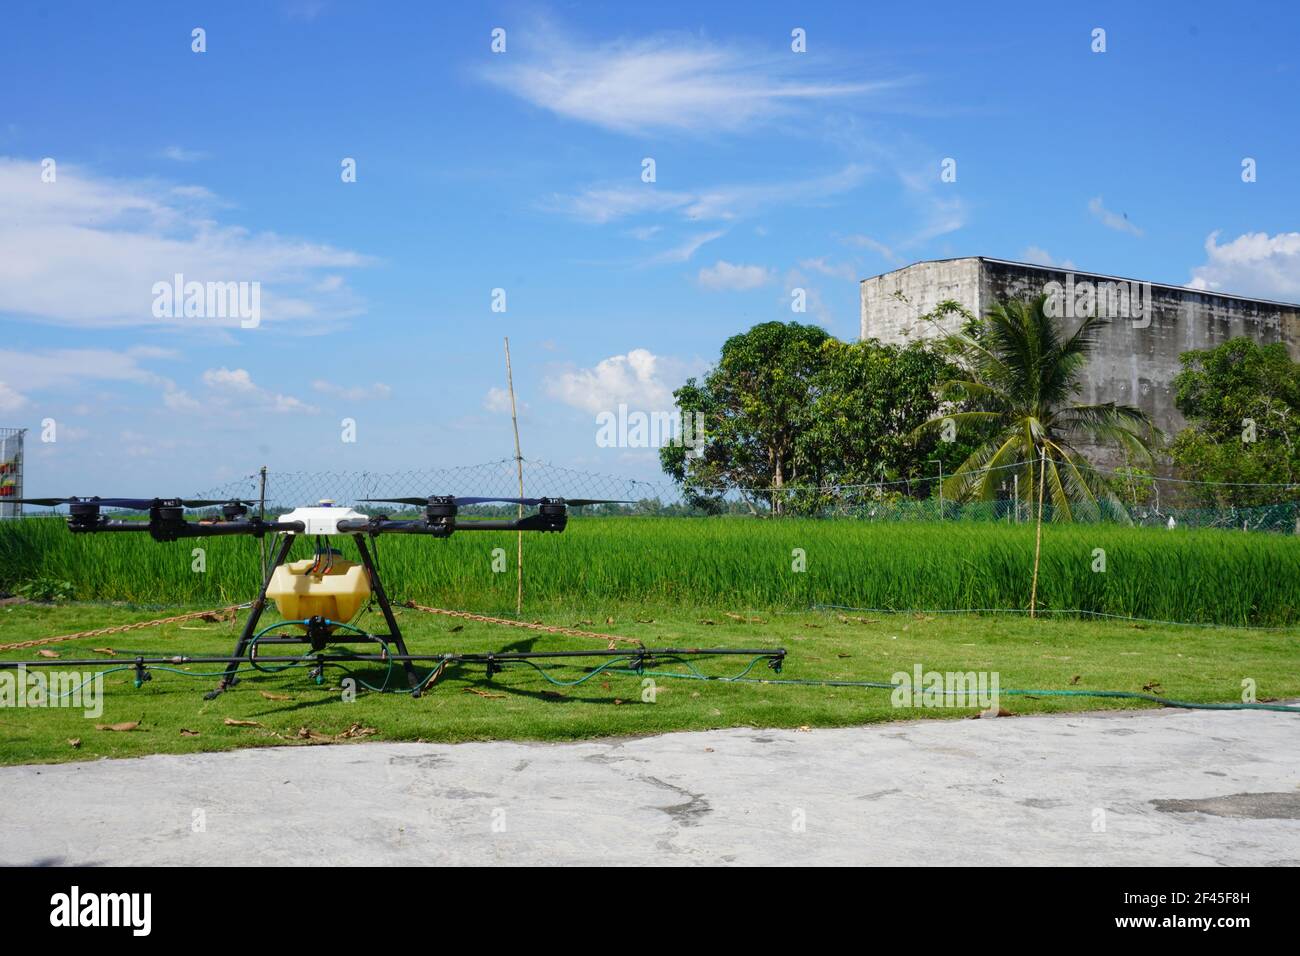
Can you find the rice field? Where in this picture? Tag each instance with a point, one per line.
(1192, 576)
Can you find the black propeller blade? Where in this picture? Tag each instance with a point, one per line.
(576, 502)
(135, 504)
(397, 501)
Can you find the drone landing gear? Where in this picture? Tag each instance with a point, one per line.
(318, 634)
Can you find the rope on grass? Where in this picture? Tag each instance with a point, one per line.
(610, 639)
(119, 629)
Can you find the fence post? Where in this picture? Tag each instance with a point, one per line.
(939, 462)
(1038, 537)
(261, 514)
(519, 465)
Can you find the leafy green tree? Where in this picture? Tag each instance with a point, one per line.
(792, 409)
(872, 400)
(757, 405)
(1019, 376)
(1242, 404)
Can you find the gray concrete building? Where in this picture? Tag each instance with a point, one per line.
(1150, 326)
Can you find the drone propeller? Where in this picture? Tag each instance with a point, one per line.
(135, 504)
(576, 502)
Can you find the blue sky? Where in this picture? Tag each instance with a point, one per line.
(522, 171)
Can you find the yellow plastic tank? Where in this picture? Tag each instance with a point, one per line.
(336, 593)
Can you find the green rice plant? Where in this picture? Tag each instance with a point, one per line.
(1194, 576)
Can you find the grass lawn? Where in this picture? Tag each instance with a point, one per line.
(1194, 664)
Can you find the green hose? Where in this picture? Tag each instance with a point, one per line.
(1013, 692)
(694, 673)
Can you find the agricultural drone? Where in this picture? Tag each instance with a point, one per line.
(319, 596)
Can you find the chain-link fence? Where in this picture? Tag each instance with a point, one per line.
(1139, 498)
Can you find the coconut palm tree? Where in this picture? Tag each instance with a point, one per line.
(1021, 376)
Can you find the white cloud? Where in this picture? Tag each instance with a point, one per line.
(1255, 264)
(68, 368)
(179, 400)
(1112, 220)
(235, 379)
(602, 204)
(86, 251)
(840, 270)
(867, 242)
(10, 399)
(640, 379)
(1041, 257)
(727, 276)
(234, 389)
(665, 83)
(353, 393)
(497, 401)
(181, 155)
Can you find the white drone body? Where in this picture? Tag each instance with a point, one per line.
(323, 518)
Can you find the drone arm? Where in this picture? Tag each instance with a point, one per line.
(535, 522)
(164, 530)
(441, 528)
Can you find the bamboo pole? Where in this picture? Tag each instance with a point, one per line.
(519, 465)
(1038, 535)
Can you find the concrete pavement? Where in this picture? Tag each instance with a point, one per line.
(1119, 788)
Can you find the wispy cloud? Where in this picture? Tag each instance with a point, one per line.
(1041, 257)
(353, 393)
(664, 83)
(180, 154)
(940, 210)
(836, 270)
(874, 245)
(683, 251)
(1112, 220)
(58, 371)
(86, 250)
(602, 204)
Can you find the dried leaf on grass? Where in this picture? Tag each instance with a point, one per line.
(482, 693)
(124, 726)
(352, 733)
(46, 652)
(356, 730)
(233, 722)
(269, 696)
